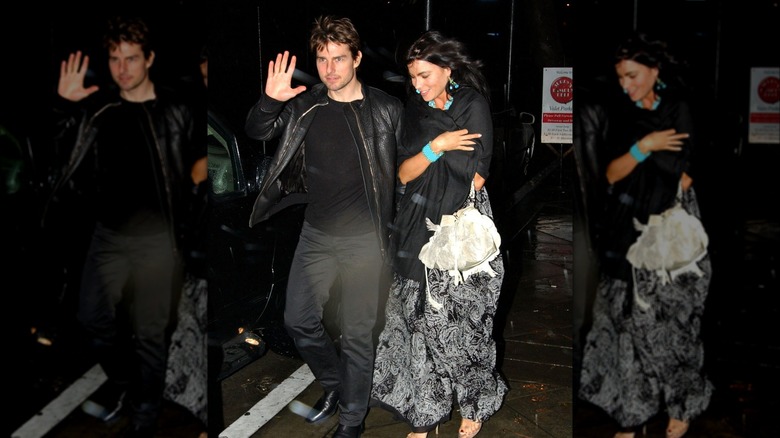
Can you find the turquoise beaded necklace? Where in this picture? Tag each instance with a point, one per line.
(639, 105)
(447, 104)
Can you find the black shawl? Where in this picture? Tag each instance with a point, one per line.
(445, 184)
(651, 187)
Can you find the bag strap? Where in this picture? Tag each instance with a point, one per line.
(473, 194)
(679, 196)
(435, 304)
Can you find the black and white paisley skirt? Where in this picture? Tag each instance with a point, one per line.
(640, 360)
(428, 355)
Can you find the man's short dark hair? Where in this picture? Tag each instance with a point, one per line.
(329, 29)
(130, 30)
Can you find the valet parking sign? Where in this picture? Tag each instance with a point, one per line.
(557, 97)
(764, 105)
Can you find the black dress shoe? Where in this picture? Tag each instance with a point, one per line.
(348, 431)
(325, 407)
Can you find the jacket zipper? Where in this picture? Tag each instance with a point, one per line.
(377, 211)
(166, 181)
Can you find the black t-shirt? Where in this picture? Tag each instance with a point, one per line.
(337, 196)
(130, 189)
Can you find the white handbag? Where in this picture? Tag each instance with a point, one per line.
(671, 243)
(463, 243)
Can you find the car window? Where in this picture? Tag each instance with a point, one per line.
(11, 163)
(221, 172)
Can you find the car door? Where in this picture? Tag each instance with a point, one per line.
(247, 267)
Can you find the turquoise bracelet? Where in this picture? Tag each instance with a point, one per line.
(430, 154)
(637, 154)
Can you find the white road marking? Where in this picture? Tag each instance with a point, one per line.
(270, 405)
(63, 405)
(244, 427)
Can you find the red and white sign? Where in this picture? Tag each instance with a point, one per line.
(562, 90)
(557, 98)
(764, 120)
(769, 89)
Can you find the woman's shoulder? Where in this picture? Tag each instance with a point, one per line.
(471, 95)
(470, 102)
(674, 106)
(676, 98)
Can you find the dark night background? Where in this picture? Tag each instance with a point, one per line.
(719, 40)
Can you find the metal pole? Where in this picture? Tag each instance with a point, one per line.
(636, 14)
(718, 47)
(259, 45)
(509, 65)
(260, 59)
(428, 15)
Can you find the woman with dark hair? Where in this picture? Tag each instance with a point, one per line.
(643, 353)
(437, 342)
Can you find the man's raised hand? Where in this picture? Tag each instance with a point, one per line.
(279, 83)
(72, 72)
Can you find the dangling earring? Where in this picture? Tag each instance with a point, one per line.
(417, 91)
(659, 84)
(452, 85)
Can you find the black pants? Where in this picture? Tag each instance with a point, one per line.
(142, 275)
(320, 259)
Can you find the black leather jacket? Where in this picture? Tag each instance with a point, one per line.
(376, 125)
(176, 126)
(591, 124)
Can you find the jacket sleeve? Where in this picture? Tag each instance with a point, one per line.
(193, 130)
(399, 126)
(67, 116)
(267, 118)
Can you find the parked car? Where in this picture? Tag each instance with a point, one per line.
(247, 267)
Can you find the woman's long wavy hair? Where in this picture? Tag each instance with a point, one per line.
(652, 53)
(437, 49)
